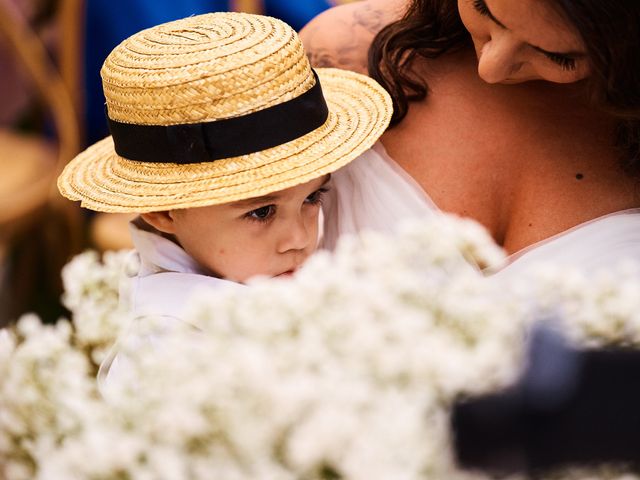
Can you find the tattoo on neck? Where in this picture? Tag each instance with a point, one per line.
(371, 19)
(346, 46)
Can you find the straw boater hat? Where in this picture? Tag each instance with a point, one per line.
(216, 108)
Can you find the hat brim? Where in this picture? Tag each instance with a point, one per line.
(359, 112)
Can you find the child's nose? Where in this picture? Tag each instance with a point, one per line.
(296, 234)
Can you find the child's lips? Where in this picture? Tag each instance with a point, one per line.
(288, 273)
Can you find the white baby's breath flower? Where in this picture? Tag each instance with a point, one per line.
(348, 370)
(93, 288)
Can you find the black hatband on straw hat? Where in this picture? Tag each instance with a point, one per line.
(226, 138)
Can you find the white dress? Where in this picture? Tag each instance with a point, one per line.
(373, 192)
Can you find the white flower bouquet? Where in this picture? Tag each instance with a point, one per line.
(346, 371)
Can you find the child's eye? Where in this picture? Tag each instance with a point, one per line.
(262, 214)
(316, 197)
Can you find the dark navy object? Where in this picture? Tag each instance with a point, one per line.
(571, 407)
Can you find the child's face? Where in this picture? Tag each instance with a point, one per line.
(271, 235)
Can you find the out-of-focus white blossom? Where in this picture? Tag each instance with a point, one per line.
(347, 370)
(91, 292)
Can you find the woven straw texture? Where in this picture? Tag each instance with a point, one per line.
(211, 67)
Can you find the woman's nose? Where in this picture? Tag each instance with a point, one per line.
(499, 59)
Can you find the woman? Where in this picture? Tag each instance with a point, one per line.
(521, 115)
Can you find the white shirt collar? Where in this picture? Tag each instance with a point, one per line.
(159, 254)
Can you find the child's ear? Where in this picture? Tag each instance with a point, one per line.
(161, 221)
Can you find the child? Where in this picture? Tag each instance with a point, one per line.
(223, 139)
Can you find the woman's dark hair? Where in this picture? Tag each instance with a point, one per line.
(610, 30)
(428, 29)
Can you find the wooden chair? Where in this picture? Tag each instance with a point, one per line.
(247, 6)
(39, 231)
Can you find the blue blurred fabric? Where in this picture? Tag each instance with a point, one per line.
(296, 12)
(108, 22)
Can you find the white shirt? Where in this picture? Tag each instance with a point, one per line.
(166, 279)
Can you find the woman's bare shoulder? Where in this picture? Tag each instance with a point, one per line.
(340, 37)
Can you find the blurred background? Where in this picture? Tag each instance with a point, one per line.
(51, 52)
